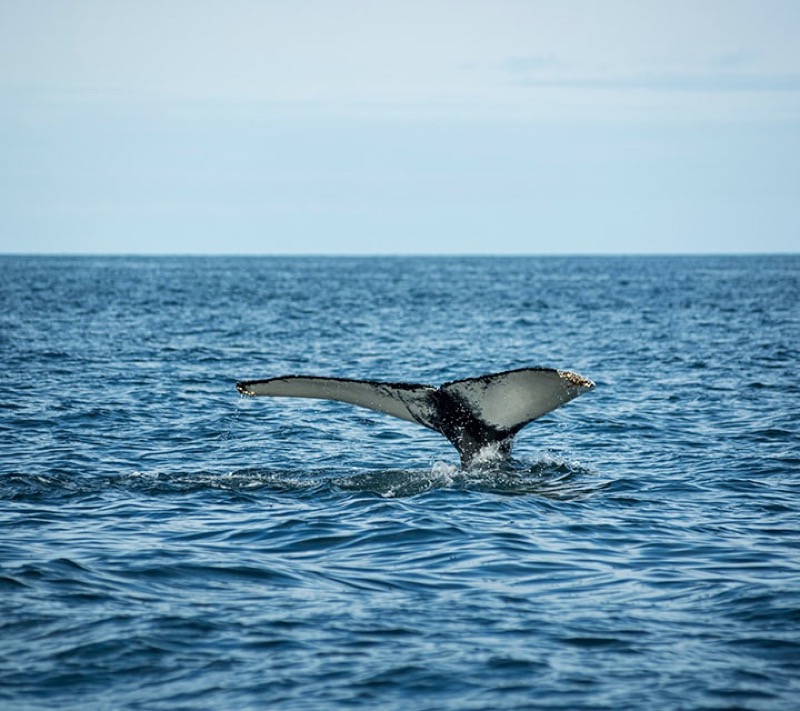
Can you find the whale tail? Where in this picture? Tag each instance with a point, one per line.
(477, 415)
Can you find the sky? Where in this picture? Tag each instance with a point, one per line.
(386, 127)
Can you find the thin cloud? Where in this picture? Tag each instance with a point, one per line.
(734, 71)
(677, 81)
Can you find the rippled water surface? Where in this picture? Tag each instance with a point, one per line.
(168, 544)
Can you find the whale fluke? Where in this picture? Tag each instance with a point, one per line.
(477, 415)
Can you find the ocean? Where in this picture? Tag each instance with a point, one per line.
(169, 544)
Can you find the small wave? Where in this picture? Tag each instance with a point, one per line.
(392, 484)
(550, 477)
(56, 486)
(553, 478)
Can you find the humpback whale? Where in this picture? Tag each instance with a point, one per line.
(479, 416)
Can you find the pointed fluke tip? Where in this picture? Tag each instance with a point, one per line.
(244, 388)
(576, 380)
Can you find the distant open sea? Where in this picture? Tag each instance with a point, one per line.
(168, 544)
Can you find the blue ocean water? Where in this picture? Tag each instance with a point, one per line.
(168, 544)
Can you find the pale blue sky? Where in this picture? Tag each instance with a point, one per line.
(371, 126)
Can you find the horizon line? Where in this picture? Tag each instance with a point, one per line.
(362, 255)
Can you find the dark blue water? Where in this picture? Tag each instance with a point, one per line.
(168, 544)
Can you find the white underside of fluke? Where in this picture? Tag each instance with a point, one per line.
(480, 416)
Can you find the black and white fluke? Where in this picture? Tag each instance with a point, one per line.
(480, 416)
